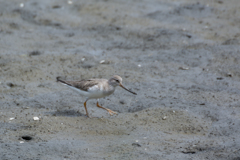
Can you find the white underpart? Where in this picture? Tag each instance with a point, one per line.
(83, 93)
(94, 92)
(101, 87)
(98, 92)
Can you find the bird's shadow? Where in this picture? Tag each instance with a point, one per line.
(67, 113)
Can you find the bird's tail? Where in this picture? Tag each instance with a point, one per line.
(62, 81)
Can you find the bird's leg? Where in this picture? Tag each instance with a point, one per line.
(109, 110)
(85, 105)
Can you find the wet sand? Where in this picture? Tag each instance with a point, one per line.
(181, 57)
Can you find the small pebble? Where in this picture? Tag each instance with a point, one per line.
(139, 65)
(21, 5)
(183, 68)
(136, 145)
(164, 118)
(102, 62)
(35, 118)
(11, 118)
(219, 78)
(229, 75)
(122, 101)
(70, 2)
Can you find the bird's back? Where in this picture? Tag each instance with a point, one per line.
(92, 88)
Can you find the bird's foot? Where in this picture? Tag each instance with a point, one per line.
(111, 112)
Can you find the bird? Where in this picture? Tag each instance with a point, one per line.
(95, 89)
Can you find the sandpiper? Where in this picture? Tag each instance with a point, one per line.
(95, 89)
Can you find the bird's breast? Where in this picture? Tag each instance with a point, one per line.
(100, 91)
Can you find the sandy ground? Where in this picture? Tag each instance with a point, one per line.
(182, 58)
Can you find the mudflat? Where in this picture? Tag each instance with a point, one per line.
(181, 57)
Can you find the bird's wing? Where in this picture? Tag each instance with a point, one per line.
(82, 84)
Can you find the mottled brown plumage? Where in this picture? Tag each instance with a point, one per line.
(83, 85)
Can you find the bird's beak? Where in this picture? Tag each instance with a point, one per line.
(127, 89)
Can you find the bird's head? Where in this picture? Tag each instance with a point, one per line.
(117, 81)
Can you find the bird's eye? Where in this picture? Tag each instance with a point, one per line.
(117, 81)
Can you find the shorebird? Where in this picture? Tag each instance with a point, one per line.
(95, 89)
